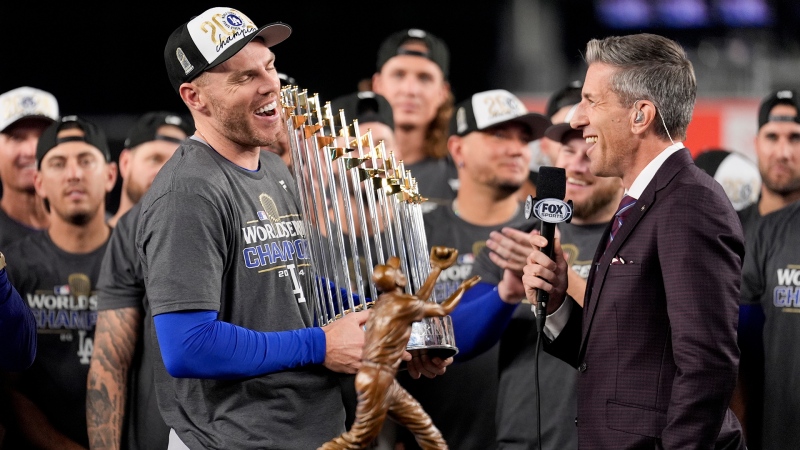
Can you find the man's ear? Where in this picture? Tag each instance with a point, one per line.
(37, 184)
(376, 83)
(643, 114)
(124, 162)
(111, 179)
(455, 147)
(191, 96)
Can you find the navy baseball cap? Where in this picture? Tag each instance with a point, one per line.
(437, 50)
(779, 97)
(92, 135)
(146, 128)
(566, 96)
(365, 106)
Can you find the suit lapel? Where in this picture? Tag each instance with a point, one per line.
(602, 258)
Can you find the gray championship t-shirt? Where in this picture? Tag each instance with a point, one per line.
(60, 289)
(121, 285)
(214, 236)
(462, 401)
(771, 278)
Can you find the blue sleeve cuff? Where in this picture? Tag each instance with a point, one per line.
(479, 320)
(318, 343)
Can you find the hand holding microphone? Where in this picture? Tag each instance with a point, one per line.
(550, 208)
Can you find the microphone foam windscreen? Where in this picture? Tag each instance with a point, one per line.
(551, 183)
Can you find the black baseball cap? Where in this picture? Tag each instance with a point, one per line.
(146, 128)
(490, 108)
(286, 80)
(92, 135)
(779, 97)
(559, 132)
(566, 96)
(212, 38)
(437, 49)
(365, 106)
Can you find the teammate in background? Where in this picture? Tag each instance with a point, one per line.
(121, 408)
(490, 147)
(594, 203)
(412, 73)
(24, 113)
(559, 106)
(777, 146)
(56, 272)
(769, 282)
(150, 143)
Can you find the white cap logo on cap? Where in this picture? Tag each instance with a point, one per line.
(496, 106)
(783, 94)
(185, 64)
(461, 120)
(26, 102)
(417, 33)
(173, 120)
(217, 29)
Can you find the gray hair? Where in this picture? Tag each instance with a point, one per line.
(654, 68)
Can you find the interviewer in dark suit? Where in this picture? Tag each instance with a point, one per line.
(655, 342)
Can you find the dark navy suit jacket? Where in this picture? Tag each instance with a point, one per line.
(655, 342)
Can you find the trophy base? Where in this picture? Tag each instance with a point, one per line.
(443, 352)
(432, 336)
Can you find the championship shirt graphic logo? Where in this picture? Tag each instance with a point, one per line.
(72, 306)
(787, 293)
(270, 209)
(277, 237)
(277, 245)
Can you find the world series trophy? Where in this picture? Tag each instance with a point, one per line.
(360, 207)
(362, 212)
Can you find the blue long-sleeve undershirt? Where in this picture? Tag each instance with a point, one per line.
(194, 344)
(17, 328)
(479, 320)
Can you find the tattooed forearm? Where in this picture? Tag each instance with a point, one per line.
(116, 334)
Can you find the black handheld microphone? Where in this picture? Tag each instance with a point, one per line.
(550, 208)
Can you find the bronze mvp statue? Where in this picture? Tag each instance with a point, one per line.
(387, 332)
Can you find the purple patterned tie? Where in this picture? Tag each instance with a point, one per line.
(625, 206)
